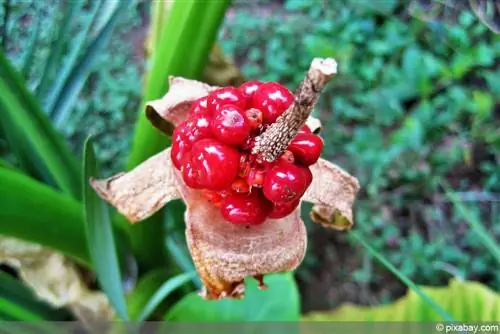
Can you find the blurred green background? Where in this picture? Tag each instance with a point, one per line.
(414, 114)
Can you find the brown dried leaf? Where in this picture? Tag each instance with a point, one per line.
(166, 113)
(55, 279)
(333, 192)
(141, 192)
(224, 254)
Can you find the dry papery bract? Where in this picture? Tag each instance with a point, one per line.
(55, 279)
(225, 254)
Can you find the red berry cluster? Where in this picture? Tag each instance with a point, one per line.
(212, 149)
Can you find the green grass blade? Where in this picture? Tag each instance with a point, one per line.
(76, 48)
(17, 312)
(106, 10)
(190, 20)
(32, 46)
(35, 212)
(183, 49)
(14, 291)
(57, 49)
(473, 222)
(79, 74)
(166, 289)
(407, 281)
(100, 237)
(34, 129)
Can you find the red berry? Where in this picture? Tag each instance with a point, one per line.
(254, 118)
(199, 106)
(215, 164)
(226, 95)
(248, 89)
(306, 147)
(287, 156)
(190, 175)
(256, 177)
(305, 129)
(272, 99)
(180, 145)
(246, 209)
(198, 127)
(281, 210)
(307, 176)
(213, 197)
(244, 166)
(230, 126)
(240, 186)
(284, 182)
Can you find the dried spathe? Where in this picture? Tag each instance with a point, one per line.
(224, 254)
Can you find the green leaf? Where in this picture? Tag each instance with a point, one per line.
(144, 290)
(79, 74)
(76, 48)
(100, 237)
(473, 222)
(408, 282)
(32, 46)
(17, 293)
(166, 289)
(189, 20)
(465, 301)
(34, 212)
(22, 113)
(57, 47)
(279, 303)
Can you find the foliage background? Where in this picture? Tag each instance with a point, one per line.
(415, 106)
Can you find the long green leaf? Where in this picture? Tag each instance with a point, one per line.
(20, 109)
(16, 292)
(144, 290)
(32, 46)
(17, 312)
(56, 50)
(34, 212)
(407, 281)
(100, 237)
(79, 74)
(69, 64)
(183, 50)
(473, 222)
(166, 289)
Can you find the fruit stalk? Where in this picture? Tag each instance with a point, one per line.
(275, 139)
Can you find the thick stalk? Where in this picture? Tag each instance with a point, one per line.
(275, 139)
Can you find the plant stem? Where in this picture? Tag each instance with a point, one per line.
(275, 139)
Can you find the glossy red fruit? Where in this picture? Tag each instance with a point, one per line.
(256, 177)
(248, 90)
(284, 182)
(180, 145)
(226, 95)
(272, 99)
(215, 164)
(287, 156)
(198, 127)
(307, 176)
(305, 129)
(254, 118)
(283, 209)
(199, 107)
(306, 147)
(189, 175)
(213, 197)
(240, 186)
(244, 166)
(229, 125)
(246, 209)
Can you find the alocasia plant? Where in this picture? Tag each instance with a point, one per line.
(242, 159)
